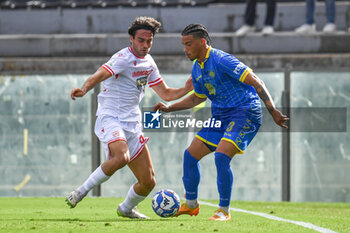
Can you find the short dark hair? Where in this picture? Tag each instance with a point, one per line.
(198, 31)
(144, 22)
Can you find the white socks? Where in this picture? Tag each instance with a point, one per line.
(226, 209)
(96, 178)
(132, 200)
(192, 203)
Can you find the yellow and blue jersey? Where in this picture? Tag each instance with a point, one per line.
(220, 77)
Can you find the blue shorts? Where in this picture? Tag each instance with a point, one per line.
(239, 128)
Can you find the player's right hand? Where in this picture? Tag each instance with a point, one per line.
(161, 106)
(77, 92)
(280, 119)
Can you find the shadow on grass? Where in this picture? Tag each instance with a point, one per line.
(94, 220)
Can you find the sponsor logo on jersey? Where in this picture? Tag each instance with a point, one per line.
(141, 73)
(141, 81)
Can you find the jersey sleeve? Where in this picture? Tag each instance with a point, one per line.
(116, 65)
(197, 87)
(233, 67)
(154, 77)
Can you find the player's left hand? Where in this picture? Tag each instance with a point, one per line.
(280, 119)
(161, 106)
(189, 84)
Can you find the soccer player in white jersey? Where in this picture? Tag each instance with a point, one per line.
(118, 125)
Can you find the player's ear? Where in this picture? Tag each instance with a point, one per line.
(203, 41)
(131, 39)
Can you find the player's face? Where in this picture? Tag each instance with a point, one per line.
(142, 42)
(193, 47)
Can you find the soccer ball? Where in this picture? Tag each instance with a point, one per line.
(166, 203)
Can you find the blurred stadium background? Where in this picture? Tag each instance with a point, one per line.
(48, 47)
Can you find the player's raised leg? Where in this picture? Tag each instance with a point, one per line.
(143, 170)
(119, 157)
(191, 176)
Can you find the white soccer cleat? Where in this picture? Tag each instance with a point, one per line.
(132, 214)
(245, 29)
(267, 30)
(306, 29)
(74, 198)
(329, 28)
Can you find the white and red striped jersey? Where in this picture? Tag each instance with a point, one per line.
(123, 91)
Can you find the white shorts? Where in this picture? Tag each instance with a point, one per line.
(109, 129)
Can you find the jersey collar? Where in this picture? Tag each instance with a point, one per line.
(201, 64)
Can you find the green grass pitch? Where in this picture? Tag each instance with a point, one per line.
(99, 215)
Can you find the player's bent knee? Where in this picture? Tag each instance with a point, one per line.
(149, 184)
(120, 160)
(152, 183)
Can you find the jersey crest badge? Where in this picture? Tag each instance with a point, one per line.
(210, 88)
(212, 74)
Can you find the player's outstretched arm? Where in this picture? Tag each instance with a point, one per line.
(189, 102)
(169, 93)
(100, 75)
(253, 80)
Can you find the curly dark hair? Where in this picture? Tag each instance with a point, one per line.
(144, 22)
(198, 31)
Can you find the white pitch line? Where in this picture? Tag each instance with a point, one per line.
(303, 224)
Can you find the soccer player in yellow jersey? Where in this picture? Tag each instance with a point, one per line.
(234, 91)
